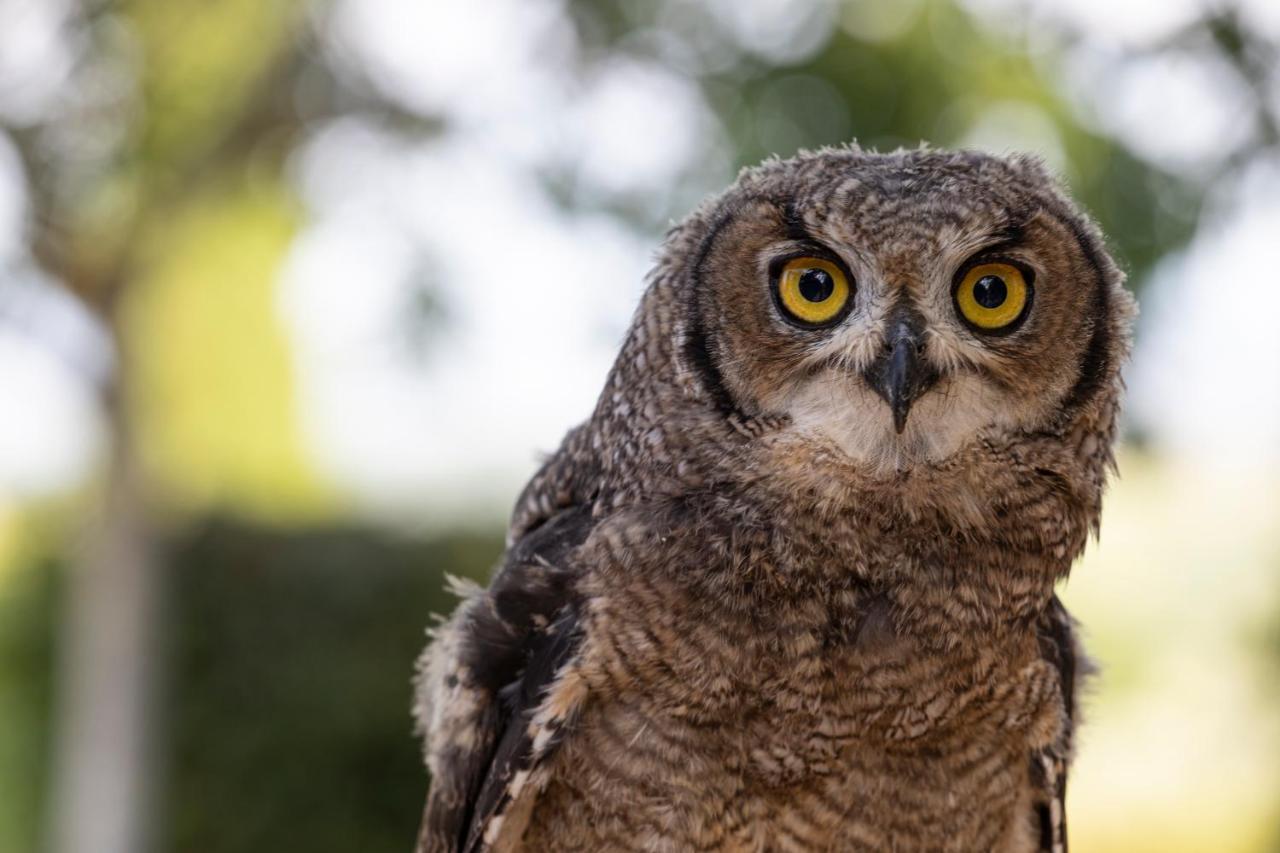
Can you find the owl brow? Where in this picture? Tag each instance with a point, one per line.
(798, 232)
(796, 229)
(1012, 235)
(1016, 220)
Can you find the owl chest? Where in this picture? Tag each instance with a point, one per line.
(740, 736)
(802, 692)
(634, 779)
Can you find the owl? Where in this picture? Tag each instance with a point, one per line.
(791, 586)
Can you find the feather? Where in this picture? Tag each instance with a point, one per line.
(485, 683)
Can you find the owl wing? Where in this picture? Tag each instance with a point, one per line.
(497, 687)
(1049, 767)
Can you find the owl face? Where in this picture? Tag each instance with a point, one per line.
(899, 307)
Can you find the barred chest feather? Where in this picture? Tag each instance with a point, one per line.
(841, 719)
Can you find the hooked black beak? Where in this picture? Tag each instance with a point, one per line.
(899, 374)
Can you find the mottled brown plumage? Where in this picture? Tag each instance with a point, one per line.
(740, 609)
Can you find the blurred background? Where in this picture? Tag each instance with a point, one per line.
(292, 295)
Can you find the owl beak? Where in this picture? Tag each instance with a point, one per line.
(900, 375)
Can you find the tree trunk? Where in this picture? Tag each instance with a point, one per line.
(102, 762)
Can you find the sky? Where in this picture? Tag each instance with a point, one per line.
(459, 420)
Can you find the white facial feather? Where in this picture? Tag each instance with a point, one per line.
(839, 407)
(836, 404)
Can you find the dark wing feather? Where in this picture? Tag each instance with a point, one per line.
(515, 752)
(1049, 767)
(486, 676)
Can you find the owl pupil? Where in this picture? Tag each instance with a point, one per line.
(990, 291)
(816, 285)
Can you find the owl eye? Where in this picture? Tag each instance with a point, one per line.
(813, 291)
(992, 297)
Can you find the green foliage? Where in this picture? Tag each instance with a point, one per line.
(932, 83)
(288, 690)
(28, 600)
(285, 716)
(203, 68)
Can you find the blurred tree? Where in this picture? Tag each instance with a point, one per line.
(289, 656)
(159, 200)
(286, 694)
(28, 610)
(204, 96)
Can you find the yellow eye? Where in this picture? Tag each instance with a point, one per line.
(992, 297)
(813, 291)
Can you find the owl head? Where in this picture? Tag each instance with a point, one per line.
(897, 308)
